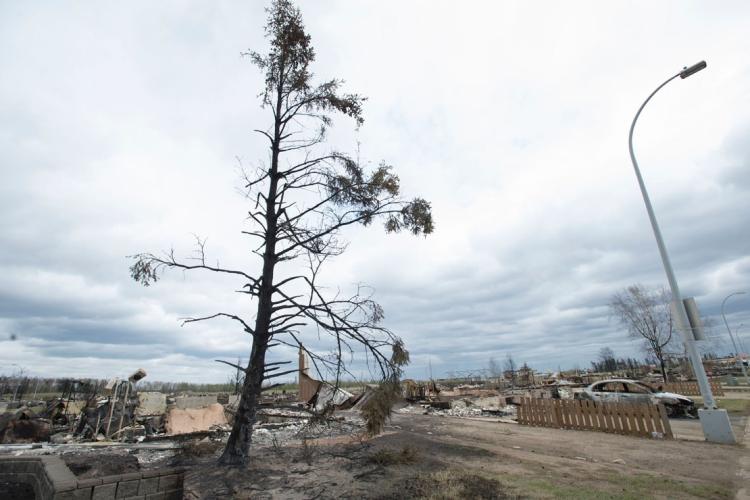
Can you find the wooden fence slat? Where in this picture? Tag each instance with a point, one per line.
(580, 422)
(621, 418)
(598, 419)
(610, 412)
(665, 421)
(616, 423)
(532, 412)
(594, 408)
(603, 416)
(644, 421)
(590, 415)
(614, 418)
(543, 413)
(595, 417)
(624, 418)
(563, 411)
(640, 419)
(630, 418)
(555, 413)
(541, 418)
(691, 388)
(637, 423)
(566, 414)
(647, 418)
(529, 419)
(583, 408)
(656, 418)
(633, 409)
(717, 388)
(614, 411)
(555, 403)
(634, 418)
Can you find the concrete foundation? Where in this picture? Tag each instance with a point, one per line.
(194, 419)
(716, 426)
(51, 479)
(151, 403)
(185, 402)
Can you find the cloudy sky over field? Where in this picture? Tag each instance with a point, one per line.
(123, 126)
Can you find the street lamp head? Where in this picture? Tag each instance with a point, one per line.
(686, 72)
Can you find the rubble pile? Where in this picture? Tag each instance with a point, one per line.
(465, 407)
(117, 414)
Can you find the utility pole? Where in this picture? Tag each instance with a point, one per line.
(715, 422)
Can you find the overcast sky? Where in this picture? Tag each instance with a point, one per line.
(122, 126)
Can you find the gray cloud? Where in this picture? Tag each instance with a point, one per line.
(124, 138)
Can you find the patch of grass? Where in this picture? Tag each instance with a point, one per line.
(615, 486)
(737, 407)
(283, 388)
(535, 487)
(389, 456)
(639, 485)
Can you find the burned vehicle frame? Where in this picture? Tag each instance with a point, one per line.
(633, 391)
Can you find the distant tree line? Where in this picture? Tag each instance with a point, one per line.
(19, 387)
(607, 362)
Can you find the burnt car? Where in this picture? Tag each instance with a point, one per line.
(632, 391)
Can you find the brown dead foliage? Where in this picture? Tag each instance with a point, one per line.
(389, 456)
(454, 485)
(199, 448)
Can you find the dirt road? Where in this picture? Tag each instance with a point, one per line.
(447, 457)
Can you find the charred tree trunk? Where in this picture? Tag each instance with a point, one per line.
(238, 446)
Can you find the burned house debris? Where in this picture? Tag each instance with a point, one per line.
(116, 411)
(155, 430)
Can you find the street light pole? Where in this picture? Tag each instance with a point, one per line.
(715, 422)
(736, 351)
(739, 338)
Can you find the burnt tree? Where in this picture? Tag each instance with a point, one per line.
(301, 200)
(647, 315)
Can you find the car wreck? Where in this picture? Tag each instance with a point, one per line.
(632, 391)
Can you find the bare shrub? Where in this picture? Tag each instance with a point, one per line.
(308, 451)
(454, 484)
(388, 456)
(199, 448)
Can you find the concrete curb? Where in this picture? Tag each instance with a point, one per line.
(744, 466)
